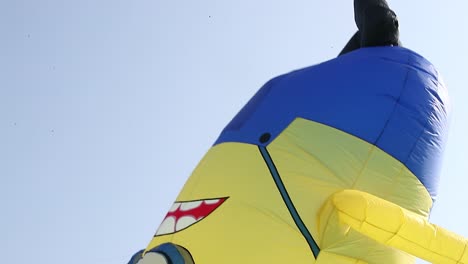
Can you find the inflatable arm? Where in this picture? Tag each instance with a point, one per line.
(394, 226)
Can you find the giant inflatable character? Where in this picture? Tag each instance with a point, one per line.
(335, 163)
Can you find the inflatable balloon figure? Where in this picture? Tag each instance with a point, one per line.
(335, 163)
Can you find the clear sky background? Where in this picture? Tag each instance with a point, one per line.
(107, 106)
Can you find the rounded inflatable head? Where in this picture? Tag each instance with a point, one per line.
(373, 120)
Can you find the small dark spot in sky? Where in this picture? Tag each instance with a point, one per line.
(14, 123)
(209, 16)
(52, 131)
(29, 35)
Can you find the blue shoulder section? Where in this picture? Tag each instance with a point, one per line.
(389, 96)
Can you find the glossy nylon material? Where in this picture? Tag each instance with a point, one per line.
(289, 204)
(271, 188)
(371, 122)
(388, 96)
(396, 227)
(252, 226)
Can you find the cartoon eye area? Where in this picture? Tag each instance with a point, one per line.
(153, 258)
(167, 253)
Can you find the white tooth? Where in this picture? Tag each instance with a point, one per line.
(174, 207)
(212, 201)
(153, 258)
(167, 226)
(185, 222)
(190, 205)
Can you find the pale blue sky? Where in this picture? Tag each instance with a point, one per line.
(107, 106)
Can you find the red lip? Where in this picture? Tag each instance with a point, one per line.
(185, 214)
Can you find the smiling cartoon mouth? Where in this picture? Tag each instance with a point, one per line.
(185, 214)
